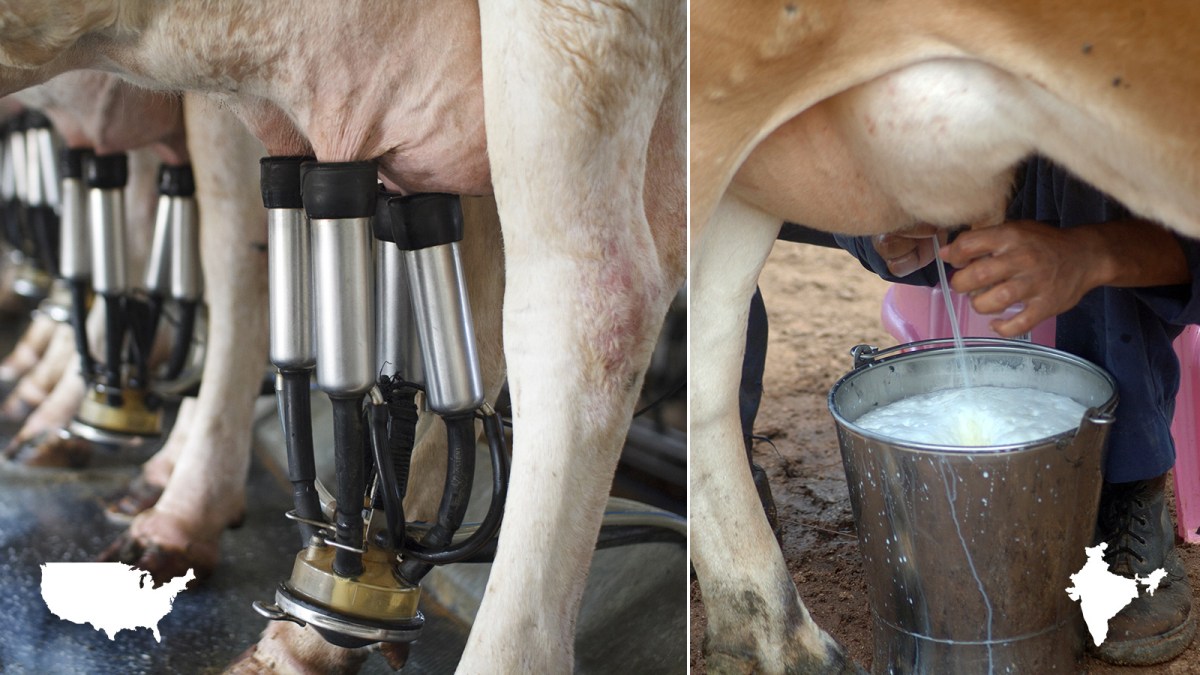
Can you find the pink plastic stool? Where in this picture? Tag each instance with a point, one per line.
(1183, 429)
(912, 313)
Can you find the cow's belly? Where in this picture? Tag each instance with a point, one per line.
(396, 82)
(935, 142)
(424, 122)
(439, 153)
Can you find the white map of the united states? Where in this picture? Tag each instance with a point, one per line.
(111, 596)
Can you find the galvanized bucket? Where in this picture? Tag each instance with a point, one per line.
(968, 552)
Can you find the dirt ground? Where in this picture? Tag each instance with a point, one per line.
(821, 303)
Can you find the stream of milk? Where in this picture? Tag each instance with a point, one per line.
(960, 352)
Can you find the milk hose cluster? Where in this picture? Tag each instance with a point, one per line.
(29, 192)
(64, 224)
(367, 294)
(122, 404)
(339, 311)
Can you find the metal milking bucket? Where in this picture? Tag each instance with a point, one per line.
(968, 551)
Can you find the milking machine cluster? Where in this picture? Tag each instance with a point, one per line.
(64, 225)
(382, 334)
(378, 352)
(67, 225)
(29, 191)
(120, 404)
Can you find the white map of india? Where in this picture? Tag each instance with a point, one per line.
(1102, 595)
(111, 596)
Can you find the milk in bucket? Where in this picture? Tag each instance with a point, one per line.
(975, 416)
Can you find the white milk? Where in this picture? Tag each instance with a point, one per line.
(960, 352)
(978, 416)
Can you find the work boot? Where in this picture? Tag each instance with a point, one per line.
(1136, 524)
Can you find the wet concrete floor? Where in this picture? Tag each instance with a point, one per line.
(634, 616)
(57, 516)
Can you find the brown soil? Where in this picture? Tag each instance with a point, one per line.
(821, 303)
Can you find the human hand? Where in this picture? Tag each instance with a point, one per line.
(1046, 268)
(907, 251)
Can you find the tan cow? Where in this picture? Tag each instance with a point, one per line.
(571, 112)
(860, 117)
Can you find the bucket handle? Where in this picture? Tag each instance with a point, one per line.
(865, 355)
(1092, 433)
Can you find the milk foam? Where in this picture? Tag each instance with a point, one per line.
(975, 416)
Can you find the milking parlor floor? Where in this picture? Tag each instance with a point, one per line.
(634, 597)
(56, 516)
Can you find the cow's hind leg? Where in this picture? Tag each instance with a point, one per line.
(144, 490)
(40, 441)
(36, 385)
(756, 620)
(29, 349)
(569, 114)
(207, 487)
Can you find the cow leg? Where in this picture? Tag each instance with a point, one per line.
(756, 620)
(585, 298)
(40, 441)
(29, 349)
(206, 491)
(36, 385)
(144, 490)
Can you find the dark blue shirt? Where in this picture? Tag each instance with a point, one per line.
(1126, 331)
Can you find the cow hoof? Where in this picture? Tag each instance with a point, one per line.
(832, 660)
(720, 663)
(16, 409)
(729, 664)
(396, 653)
(288, 648)
(245, 663)
(138, 496)
(254, 662)
(162, 562)
(50, 450)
